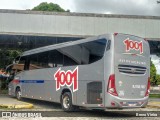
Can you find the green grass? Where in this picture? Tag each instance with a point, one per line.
(154, 96)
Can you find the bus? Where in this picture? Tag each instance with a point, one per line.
(103, 72)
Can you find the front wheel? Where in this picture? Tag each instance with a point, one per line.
(66, 102)
(18, 94)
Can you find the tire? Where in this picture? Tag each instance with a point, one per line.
(18, 94)
(66, 102)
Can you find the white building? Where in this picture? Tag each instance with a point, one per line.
(77, 24)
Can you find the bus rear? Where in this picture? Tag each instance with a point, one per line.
(129, 81)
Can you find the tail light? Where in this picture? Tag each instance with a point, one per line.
(15, 81)
(111, 85)
(148, 88)
(115, 34)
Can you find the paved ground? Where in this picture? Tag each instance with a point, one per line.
(50, 106)
(55, 110)
(154, 99)
(5, 99)
(10, 102)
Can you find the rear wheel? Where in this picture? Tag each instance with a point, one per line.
(66, 102)
(18, 94)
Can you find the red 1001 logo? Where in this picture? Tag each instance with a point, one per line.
(66, 78)
(133, 45)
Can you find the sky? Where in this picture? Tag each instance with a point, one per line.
(128, 7)
(156, 61)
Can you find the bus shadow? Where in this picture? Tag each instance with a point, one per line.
(54, 110)
(39, 104)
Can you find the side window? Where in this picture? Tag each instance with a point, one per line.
(22, 62)
(20, 66)
(94, 51)
(38, 61)
(55, 59)
(33, 62)
(69, 61)
(42, 59)
(84, 53)
(71, 55)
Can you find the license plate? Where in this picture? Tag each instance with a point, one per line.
(132, 104)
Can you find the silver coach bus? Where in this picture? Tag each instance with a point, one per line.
(107, 71)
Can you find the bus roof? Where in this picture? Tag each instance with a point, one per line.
(61, 45)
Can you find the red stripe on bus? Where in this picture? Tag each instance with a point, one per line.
(15, 81)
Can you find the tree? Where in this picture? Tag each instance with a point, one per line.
(153, 74)
(7, 56)
(158, 79)
(44, 6)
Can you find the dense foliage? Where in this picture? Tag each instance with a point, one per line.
(152, 73)
(155, 78)
(44, 6)
(158, 79)
(7, 56)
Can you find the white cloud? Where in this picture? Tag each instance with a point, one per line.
(131, 7)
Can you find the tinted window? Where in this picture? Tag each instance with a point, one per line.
(96, 49)
(20, 66)
(78, 54)
(58, 59)
(38, 61)
(84, 53)
(55, 59)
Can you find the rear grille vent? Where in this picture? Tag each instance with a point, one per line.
(94, 91)
(130, 69)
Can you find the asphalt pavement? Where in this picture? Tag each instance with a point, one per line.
(54, 109)
(7, 101)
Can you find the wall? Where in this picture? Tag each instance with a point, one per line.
(77, 24)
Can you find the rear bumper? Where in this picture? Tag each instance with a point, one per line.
(130, 103)
(116, 102)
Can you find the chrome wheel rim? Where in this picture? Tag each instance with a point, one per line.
(18, 95)
(66, 102)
